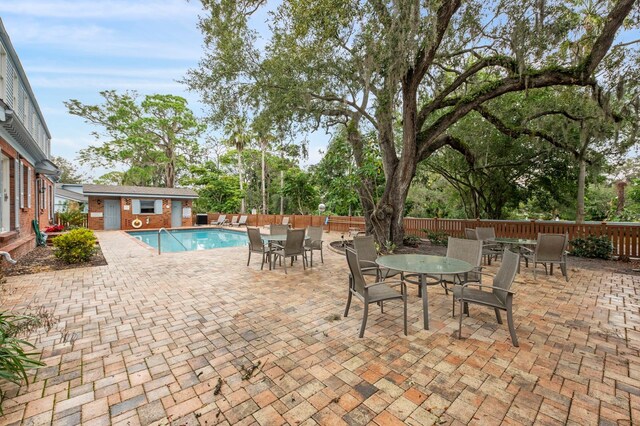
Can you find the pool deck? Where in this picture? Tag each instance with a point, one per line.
(155, 333)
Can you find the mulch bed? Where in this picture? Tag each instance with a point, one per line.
(425, 247)
(41, 259)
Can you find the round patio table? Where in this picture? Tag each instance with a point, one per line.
(423, 265)
(515, 241)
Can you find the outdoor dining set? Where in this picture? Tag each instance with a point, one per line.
(459, 272)
(284, 243)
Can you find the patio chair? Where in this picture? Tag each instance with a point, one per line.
(470, 234)
(234, 221)
(367, 254)
(293, 247)
(551, 248)
(488, 251)
(256, 245)
(221, 220)
(285, 221)
(314, 242)
(500, 297)
(378, 292)
(469, 251)
(278, 229)
(242, 221)
(488, 234)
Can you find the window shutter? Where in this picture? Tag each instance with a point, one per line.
(29, 184)
(16, 191)
(157, 207)
(136, 206)
(21, 177)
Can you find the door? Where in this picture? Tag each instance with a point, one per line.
(111, 214)
(176, 214)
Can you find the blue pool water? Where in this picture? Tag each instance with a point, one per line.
(192, 239)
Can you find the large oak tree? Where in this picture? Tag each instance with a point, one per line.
(407, 69)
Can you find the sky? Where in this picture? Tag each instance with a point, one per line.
(73, 49)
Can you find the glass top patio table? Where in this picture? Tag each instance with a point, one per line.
(515, 241)
(423, 265)
(278, 237)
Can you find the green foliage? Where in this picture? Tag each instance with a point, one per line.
(298, 187)
(411, 241)
(72, 218)
(155, 138)
(75, 246)
(15, 361)
(217, 192)
(437, 238)
(592, 247)
(389, 247)
(70, 173)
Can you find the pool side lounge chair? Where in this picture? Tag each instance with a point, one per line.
(234, 221)
(285, 221)
(222, 219)
(500, 298)
(378, 292)
(241, 222)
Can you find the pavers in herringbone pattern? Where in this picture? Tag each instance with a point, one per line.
(156, 333)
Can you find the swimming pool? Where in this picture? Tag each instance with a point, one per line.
(192, 239)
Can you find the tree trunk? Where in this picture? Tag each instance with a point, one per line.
(240, 177)
(281, 194)
(582, 173)
(620, 187)
(264, 188)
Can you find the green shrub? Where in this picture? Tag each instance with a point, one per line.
(75, 246)
(72, 218)
(411, 241)
(437, 238)
(14, 360)
(592, 246)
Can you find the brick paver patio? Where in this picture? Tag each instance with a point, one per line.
(156, 333)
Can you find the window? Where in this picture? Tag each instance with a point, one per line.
(21, 183)
(147, 206)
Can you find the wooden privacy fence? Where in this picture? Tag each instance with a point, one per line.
(625, 237)
(57, 220)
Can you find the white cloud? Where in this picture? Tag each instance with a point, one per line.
(109, 9)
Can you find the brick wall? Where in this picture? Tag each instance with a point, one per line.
(149, 221)
(19, 241)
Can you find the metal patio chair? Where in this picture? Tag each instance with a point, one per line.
(275, 229)
(293, 247)
(314, 242)
(365, 246)
(378, 292)
(551, 248)
(256, 245)
(491, 250)
(500, 298)
(469, 251)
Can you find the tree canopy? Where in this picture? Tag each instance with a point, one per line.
(408, 71)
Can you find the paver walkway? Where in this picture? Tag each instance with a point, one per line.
(156, 333)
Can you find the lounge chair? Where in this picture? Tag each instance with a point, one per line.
(285, 221)
(499, 298)
(241, 222)
(365, 246)
(378, 292)
(551, 248)
(293, 247)
(221, 220)
(314, 242)
(256, 245)
(234, 221)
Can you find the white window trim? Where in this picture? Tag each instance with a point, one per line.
(21, 183)
(29, 184)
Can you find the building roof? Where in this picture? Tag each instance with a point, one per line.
(70, 195)
(138, 191)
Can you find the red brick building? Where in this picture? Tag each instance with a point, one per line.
(138, 207)
(26, 173)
